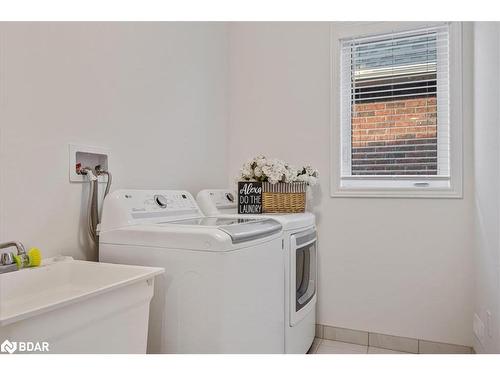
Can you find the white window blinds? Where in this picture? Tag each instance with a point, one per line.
(395, 105)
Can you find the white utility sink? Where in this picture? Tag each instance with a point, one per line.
(77, 306)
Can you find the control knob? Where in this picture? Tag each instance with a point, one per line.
(160, 200)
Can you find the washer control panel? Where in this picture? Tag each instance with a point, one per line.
(129, 207)
(155, 204)
(223, 198)
(160, 201)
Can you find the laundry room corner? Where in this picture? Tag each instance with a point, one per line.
(153, 94)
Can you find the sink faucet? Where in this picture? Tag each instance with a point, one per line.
(18, 245)
(7, 260)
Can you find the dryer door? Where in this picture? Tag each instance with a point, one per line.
(303, 274)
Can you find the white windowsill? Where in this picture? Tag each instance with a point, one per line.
(396, 192)
(390, 187)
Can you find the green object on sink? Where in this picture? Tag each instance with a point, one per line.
(32, 259)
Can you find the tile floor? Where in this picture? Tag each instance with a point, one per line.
(323, 346)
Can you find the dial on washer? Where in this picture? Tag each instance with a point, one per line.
(160, 200)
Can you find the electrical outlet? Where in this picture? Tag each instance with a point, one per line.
(478, 328)
(489, 329)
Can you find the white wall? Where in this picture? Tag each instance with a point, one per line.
(487, 181)
(154, 93)
(395, 266)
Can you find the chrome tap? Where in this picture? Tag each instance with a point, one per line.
(18, 245)
(7, 262)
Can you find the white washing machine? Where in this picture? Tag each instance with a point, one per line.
(222, 291)
(299, 241)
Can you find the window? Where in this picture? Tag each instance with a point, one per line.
(394, 121)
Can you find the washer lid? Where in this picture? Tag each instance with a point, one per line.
(289, 222)
(239, 229)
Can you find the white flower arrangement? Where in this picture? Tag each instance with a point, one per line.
(273, 171)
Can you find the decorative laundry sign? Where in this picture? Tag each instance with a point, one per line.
(249, 197)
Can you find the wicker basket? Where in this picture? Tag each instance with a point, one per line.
(283, 197)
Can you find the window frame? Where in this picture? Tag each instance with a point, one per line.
(389, 186)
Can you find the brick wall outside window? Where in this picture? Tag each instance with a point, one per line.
(395, 137)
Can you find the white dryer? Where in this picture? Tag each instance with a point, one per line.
(222, 291)
(300, 277)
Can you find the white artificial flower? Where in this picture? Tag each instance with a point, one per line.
(268, 170)
(274, 169)
(291, 174)
(303, 178)
(260, 161)
(311, 171)
(247, 171)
